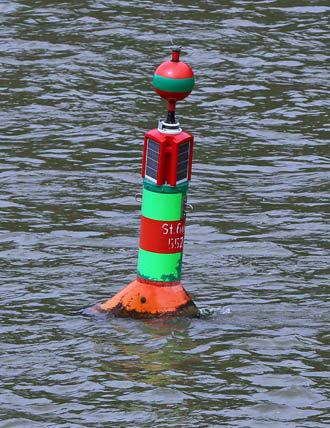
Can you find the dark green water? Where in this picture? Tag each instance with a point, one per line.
(76, 99)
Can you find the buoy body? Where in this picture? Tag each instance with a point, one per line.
(166, 171)
(143, 299)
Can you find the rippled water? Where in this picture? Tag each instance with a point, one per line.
(76, 99)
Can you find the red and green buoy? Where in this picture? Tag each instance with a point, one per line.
(166, 171)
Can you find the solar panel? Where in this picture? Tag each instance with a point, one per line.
(152, 160)
(183, 161)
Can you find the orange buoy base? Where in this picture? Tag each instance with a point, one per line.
(143, 299)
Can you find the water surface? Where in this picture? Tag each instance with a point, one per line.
(76, 99)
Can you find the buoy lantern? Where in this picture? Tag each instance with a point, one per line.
(166, 170)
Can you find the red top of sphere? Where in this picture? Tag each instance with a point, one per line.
(174, 70)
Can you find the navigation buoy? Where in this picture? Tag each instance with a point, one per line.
(166, 171)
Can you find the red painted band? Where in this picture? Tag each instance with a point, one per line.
(159, 283)
(175, 56)
(171, 105)
(164, 237)
(175, 96)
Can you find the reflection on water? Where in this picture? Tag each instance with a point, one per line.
(76, 99)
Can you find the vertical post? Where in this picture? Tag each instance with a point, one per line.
(162, 233)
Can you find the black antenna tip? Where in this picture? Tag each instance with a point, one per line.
(176, 48)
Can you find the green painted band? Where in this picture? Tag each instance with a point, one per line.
(162, 206)
(159, 267)
(180, 188)
(173, 85)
